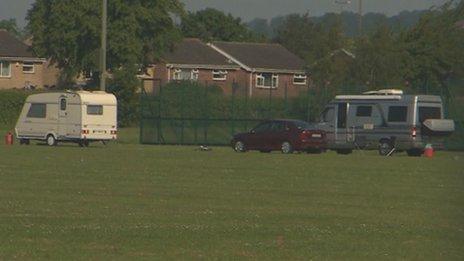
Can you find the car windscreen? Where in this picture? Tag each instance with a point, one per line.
(302, 125)
(429, 113)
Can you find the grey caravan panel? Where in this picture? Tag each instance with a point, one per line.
(364, 120)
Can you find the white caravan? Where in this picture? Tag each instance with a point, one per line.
(80, 117)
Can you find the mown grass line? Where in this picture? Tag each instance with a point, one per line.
(134, 201)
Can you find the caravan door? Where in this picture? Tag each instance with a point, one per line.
(343, 135)
(63, 117)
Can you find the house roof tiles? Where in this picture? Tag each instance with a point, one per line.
(10, 46)
(262, 56)
(193, 51)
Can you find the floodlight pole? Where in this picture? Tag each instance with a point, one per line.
(103, 46)
(360, 10)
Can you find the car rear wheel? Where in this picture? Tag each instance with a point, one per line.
(51, 141)
(239, 146)
(287, 148)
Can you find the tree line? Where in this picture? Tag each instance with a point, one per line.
(425, 55)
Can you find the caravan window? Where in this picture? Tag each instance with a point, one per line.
(364, 111)
(429, 113)
(94, 110)
(63, 104)
(37, 110)
(397, 113)
(328, 115)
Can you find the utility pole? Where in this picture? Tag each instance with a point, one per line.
(103, 46)
(360, 14)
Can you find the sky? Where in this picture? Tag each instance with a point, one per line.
(250, 9)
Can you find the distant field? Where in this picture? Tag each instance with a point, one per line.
(127, 201)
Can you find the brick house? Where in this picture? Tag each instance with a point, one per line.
(255, 68)
(20, 68)
(193, 60)
(266, 67)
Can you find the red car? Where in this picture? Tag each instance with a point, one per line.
(284, 135)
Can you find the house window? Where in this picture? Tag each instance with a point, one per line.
(299, 79)
(94, 109)
(37, 110)
(185, 75)
(28, 67)
(267, 80)
(5, 69)
(194, 75)
(219, 75)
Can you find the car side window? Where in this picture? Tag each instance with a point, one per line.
(263, 127)
(278, 126)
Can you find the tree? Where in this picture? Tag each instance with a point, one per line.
(11, 26)
(69, 32)
(381, 60)
(213, 25)
(436, 44)
(310, 41)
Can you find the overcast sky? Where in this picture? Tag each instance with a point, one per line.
(249, 9)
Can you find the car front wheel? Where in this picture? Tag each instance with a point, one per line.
(239, 146)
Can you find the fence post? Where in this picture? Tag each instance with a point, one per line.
(141, 100)
(308, 109)
(270, 101)
(232, 108)
(205, 119)
(160, 108)
(182, 108)
(286, 100)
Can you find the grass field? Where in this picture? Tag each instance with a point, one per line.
(128, 201)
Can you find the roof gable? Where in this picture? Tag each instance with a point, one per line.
(262, 56)
(193, 51)
(12, 47)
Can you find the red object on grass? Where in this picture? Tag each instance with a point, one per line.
(9, 139)
(428, 152)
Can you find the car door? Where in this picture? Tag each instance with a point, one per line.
(257, 139)
(279, 134)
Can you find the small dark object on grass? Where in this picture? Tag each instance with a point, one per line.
(204, 148)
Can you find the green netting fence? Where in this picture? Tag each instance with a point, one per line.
(188, 113)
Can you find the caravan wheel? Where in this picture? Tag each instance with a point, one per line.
(51, 141)
(84, 143)
(385, 148)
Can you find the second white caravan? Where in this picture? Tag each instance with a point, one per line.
(80, 117)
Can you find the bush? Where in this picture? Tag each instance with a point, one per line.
(11, 103)
(124, 85)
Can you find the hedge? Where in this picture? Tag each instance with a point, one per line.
(11, 103)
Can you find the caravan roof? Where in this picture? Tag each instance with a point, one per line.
(97, 97)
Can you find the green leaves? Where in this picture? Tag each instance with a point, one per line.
(213, 25)
(69, 32)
